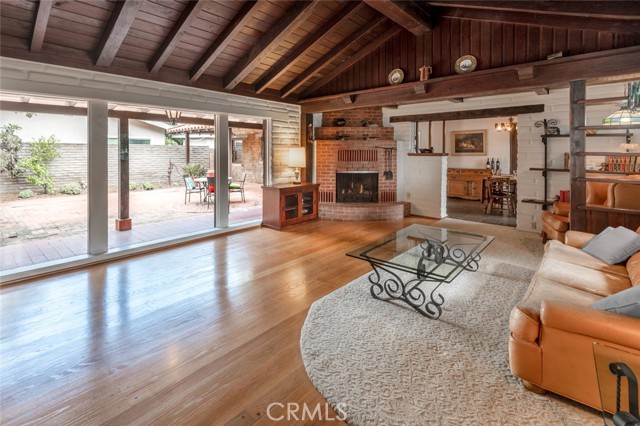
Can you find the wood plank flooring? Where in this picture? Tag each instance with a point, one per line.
(204, 334)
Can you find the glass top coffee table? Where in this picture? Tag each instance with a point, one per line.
(411, 264)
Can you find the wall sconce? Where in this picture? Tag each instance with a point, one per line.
(297, 159)
(173, 115)
(507, 127)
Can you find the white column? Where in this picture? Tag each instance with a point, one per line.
(222, 171)
(97, 172)
(267, 142)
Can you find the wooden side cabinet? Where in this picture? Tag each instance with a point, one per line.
(289, 204)
(466, 183)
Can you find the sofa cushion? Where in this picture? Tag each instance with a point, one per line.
(626, 302)
(600, 282)
(613, 245)
(557, 250)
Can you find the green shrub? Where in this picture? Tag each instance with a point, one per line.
(27, 193)
(147, 186)
(71, 189)
(43, 152)
(10, 146)
(133, 186)
(194, 170)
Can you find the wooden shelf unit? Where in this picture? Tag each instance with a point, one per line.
(289, 204)
(592, 218)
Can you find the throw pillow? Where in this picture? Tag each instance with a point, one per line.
(626, 302)
(613, 245)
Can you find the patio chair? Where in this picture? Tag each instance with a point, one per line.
(211, 190)
(190, 188)
(238, 187)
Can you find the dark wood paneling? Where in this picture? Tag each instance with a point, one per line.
(494, 45)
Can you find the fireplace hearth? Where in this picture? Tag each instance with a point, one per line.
(357, 187)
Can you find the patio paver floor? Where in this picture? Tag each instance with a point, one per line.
(51, 228)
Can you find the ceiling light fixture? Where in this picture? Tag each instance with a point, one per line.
(173, 115)
(507, 127)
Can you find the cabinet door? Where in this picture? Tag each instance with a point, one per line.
(309, 203)
(475, 189)
(290, 207)
(457, 188)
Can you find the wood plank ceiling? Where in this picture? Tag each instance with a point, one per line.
(302, 51)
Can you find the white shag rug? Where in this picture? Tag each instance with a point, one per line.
(387, 365)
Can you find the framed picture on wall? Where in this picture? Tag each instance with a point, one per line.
(469, 142)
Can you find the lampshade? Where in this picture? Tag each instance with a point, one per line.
(297, 157)
(623, 117)
(173, 115)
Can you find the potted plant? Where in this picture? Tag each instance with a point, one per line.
(195, 170)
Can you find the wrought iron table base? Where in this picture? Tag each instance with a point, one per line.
(393, 287)
(388, 285)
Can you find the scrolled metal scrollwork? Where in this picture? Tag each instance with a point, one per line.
(393, 287)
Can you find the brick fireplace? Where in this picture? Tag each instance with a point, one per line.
(357, 150)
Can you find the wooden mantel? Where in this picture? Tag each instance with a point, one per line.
(622, 64)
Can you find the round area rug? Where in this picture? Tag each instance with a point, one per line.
(387, 365)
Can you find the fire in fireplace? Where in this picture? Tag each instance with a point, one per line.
(357, 187)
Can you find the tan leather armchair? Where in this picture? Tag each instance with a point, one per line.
(555, 221)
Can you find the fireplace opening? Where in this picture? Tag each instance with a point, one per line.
(357, 187)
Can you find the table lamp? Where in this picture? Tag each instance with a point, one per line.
(297, 160)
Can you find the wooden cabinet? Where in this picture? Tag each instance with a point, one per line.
(289, 204)
(466, 183)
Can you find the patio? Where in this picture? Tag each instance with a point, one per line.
(49, 228)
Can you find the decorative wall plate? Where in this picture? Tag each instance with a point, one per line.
(465, 64)
(396, 76)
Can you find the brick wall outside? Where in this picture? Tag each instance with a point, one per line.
(252, 159)
(147, 163)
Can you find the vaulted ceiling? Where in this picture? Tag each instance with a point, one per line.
(333, 52)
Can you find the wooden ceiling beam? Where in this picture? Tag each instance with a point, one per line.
(470, 114)
(178, 30)
(295, 17)
(537, 18)
(122, 17)
(627, 10)
(329, 57)
(40, 24)
(305, 46)
(373, 45)
(413, 16)
(606, 66)
(240, 20)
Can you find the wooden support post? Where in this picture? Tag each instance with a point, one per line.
(444, 145)
(577, 145)
(187, 148)
(123, 222)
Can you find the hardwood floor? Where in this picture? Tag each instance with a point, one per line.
(204, 334)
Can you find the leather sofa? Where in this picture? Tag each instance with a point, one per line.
(553, 328)
(556, 221)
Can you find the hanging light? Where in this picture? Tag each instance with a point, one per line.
(628, 113)
(623, 117)
(506, 127)
(173, 115)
